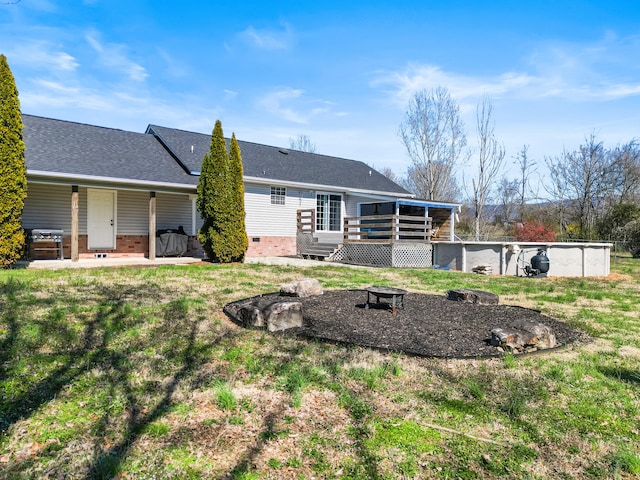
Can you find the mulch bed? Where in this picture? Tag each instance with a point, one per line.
(429, 325)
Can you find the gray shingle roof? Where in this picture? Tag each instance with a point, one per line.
(279, 164)
(76, 149)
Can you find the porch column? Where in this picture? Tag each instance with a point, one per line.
(452, 227)
(194, 215)
(74, 223)
(152, 226)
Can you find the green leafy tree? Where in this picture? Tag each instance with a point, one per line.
(221, 201)
(611, 226)
(13, 172)
(237, 231)
(631, 232)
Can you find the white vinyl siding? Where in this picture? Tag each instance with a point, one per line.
(133, 212)
(49, 206)
(172, 211)
(265, 219)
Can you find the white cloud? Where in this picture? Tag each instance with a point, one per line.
(42, 54)
(229, 94)
(113, 56)
(293, 105)
(576, 72)
(274, 104)
(268, 39)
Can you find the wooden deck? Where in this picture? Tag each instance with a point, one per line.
(387, 229)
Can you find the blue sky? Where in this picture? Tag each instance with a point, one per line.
(340, 72)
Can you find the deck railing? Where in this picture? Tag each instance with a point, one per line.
(306, 221)
(387, 229)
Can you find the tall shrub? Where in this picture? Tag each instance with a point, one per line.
(237, 231)
(213, 196)
(13, 172)
(221, 200)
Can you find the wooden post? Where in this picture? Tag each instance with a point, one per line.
(152, 226)
(74, 223)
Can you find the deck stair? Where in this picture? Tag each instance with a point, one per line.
(318, 250)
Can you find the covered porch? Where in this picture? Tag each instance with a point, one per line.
(100, 221)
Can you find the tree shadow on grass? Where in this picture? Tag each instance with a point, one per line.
(101, 346)
(622, 374)
(15, 346)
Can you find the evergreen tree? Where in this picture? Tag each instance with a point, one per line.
(237, 230)
(213, 197)
(13, 172)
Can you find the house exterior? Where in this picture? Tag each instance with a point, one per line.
(111, 190)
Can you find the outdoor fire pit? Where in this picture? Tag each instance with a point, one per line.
(395, 294)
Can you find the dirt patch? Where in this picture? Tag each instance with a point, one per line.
(428, 325)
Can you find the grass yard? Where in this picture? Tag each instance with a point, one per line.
(135, 373)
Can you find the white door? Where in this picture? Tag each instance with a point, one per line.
(101, 219)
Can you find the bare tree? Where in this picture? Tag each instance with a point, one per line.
(525, 190)
(508, 193)
(302, 143)
(390, 174)
(433, 134)
(490, 161)
(416, 181)
(584, 180)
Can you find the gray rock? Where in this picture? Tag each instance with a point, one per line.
(283, 315)
(544, 334)
(523, 336)
(305, 287)
(250, 316)
(473, 296)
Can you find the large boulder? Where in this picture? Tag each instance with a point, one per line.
(266, 312)
(283, 315)
(305, 287)
(523, 336)
(473, 296)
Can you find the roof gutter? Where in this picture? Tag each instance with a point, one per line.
(317, 186)
(108, 180)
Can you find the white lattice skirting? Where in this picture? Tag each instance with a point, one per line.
(303, 242)
(408, 255)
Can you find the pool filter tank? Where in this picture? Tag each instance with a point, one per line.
(539, 264)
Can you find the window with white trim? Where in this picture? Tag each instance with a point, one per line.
(328, 212)
(278, 195)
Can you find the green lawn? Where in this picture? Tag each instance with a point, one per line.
(136, 373)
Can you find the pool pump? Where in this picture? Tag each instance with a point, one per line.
(537, 266)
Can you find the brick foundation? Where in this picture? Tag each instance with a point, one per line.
(126, 246)
(271, 246)
(138, 246)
